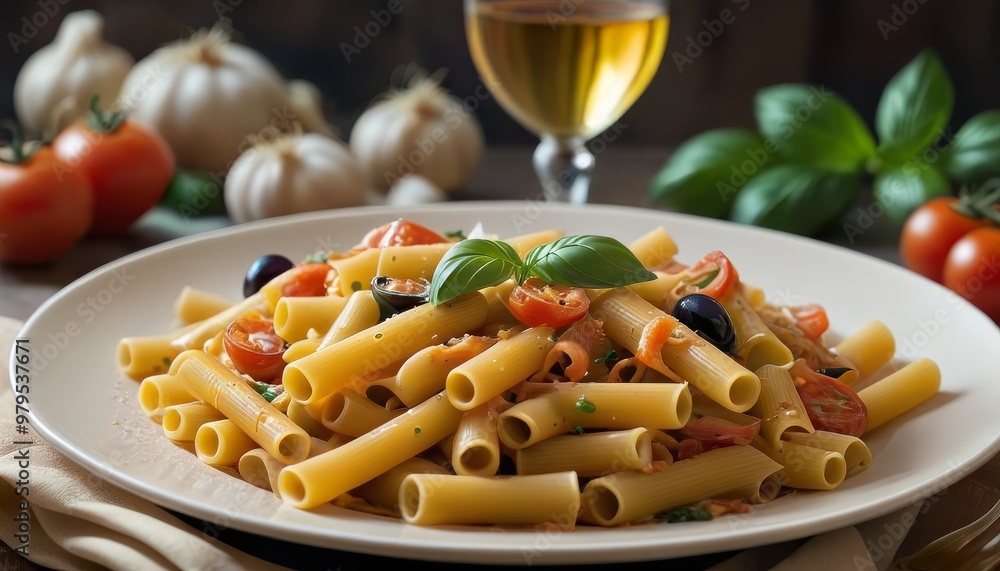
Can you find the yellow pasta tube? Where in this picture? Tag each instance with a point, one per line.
(355, 272)
(299, 349)
(498, 315)
(624, 497)
(655, 248)
(359, 313)
(222, 443)
(205, 330)
(300, 415)
(868, 348)
(613, 406)
(627, 370)
(383, 490)
(424, 374)
(142, 356)
(589, 455)
(260, 469)
(322, 478)
(157, 392)
(626, 317)
(756, 344)
(780, 408)
(811, 468)
(351, 360)
(193, 305)
(347, 412)
(475, 449)
(498, 368)
(900, 391)
(209, 380)
(182, 421)
(659, 290)
(857, 455)
(415, 262)
(434, 499)
(294, 317)
(524, 243)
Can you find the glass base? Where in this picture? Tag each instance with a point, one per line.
(564, 169)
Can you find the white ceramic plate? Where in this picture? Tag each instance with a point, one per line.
(84, 407)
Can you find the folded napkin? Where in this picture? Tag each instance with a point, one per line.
(78, 521)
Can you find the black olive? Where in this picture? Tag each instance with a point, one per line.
(394, 295)
(706, 317)
(834, 372)
(263, 270)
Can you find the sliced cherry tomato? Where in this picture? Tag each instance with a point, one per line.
(307, 280)
(711, 432)
(400, 232)
(832, 406)
(536, 303)
(42, 212)
(930, 232)
(812, 320)
(723, 280)
(972, 269)
(255, 348)
(128, 165)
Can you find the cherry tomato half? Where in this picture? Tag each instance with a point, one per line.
(255, 348)
(812, 320)
(832, 406)
(972, 269)
(536, 303)
(725, 279)
(929, 233)
(400, 232)
(307, 280)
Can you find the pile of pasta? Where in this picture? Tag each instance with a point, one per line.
(458, 414)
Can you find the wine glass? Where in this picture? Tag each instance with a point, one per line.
(566, 70)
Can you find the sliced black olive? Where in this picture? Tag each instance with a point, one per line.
(263, 270)
(706, 317)
(394, 295)
(834, 372)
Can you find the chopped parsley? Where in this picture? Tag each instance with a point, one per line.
(265, 390)
(684, 514)
(609, 359)
(455, 234)
(585, 406)
(318, 257)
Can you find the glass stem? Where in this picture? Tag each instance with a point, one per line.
(564, 168)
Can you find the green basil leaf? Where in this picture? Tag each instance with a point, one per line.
(705, 173)
(470, 265)
(901, 190)
(974, 154)
(585, 261)
(813, 126)
(914, 108)
(795, 198)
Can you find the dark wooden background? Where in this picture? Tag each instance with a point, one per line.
(849, 46)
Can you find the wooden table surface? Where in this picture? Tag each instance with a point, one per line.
(622, 177)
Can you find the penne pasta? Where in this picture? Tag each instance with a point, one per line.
(498, 368)
(900, 391)
(194, 305)
(296, 317)
(868, 348)
(589, 455)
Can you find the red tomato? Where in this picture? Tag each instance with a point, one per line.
(724, 279)
(972, 269)
(832, 406)
(710, 432)
(255, 348)
(42, 212)
(812, 320)
(929, 233)
(535, 303)
(307, 280)
(129, 169)
(401, 232)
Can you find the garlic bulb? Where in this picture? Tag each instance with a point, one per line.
(205, 95)
(412, 190)
(293, 173)
(420, 130)
(56, 83)
(306, 105)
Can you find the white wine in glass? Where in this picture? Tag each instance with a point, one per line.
(566, 70)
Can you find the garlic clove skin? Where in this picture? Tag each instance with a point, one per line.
(56, 83)
(293, 174)
(421, 131)
(207, 95)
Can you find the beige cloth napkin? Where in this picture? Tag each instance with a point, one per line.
(77, 525)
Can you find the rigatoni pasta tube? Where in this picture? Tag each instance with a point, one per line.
(868, 348)
(416, 262)
(359, 313)
(779, 407)
(222, 443)
(157, 392)
(182, 421)
(210, 380)
(756, 344)
(626, 317)
(857, 455)
(900, 391)
(498, 368)
(352, 414)
(654, 249)
(322, 478)
(205, 330)
(624, 497)
(383, 490)
(326, 371)
(355, 272)
(589, 455)
(193, 305)
(434, 499)
(294, 317)
(425, 373)
(811, 468)
(475, 447)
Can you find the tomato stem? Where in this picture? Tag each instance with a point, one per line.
(19, 153)
(104, 121)
(980, 201)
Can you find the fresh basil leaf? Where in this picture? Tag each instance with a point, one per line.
(974, 154)
(470, 265)
(914, 108)
(704, 174)
(813, 126)
(795, 198)
(901, 190)
(585, 261)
